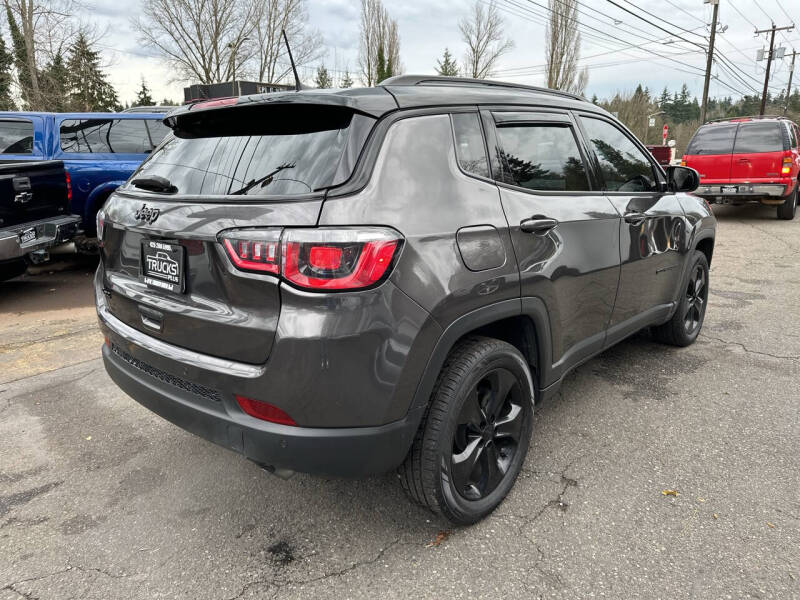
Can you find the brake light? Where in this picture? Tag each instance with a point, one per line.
(69, 188)
(264, 411)
(787, 165)
(212, 103)
(319, 258)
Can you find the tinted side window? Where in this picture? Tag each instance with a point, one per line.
(713, 139)
(158, 131)
(470, 149)
(792, 136)
(16, 137)
(104, 135)
(541, 157)
(129, 136)
(758, 137)
(624, 166)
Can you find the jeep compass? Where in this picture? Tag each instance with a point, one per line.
(366, 280)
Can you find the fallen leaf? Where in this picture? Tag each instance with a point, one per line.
(770, 525)
(440, 537)
(715, 516)
(701, 499)
(89, 439)
(670, 493)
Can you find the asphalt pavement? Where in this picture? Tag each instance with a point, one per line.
(657, 472)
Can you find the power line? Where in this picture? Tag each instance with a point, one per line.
(641, 18)
(783, 10)
(741, 14)
(686, 12)
(661, 18)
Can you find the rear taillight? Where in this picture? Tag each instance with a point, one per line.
(264, 411)
(255, 250)
(787, 165)
(69, 188)
(316, 259)
(100, 224)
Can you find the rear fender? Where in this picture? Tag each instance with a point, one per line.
(97, 197)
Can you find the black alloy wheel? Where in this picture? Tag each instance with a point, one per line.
(487, 434)
(696, 296)
(475, 434)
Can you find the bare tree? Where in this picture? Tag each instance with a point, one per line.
(204, 40)
(379, 47)
(563, 48)
(43, 30)
(272, 59)
(482, 32)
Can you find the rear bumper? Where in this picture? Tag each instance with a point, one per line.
(342, 452)
(734, 191)
(49, 232)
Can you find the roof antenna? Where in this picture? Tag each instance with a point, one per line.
(291, 60)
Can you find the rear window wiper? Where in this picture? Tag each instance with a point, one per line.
(264, 181)
(155, 183)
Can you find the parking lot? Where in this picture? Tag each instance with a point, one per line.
(657, 472)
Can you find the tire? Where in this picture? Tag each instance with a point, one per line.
(463, 422)
(12, 269)
(788, 209)
(685, 325)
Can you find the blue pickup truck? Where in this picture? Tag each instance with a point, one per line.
(99, 150)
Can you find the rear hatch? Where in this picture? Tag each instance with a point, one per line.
(710, 152)
(759, 151)
(30, 191)
(167, 274)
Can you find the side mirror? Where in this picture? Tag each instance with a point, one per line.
(682, 179)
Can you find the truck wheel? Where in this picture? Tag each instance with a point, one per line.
(684, 326)
(12, 269)
(788, 209)
(473, 439)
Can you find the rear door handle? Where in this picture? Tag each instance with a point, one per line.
(537, 225)
(635, 218)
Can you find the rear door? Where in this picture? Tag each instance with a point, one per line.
(651, 230)
(758, 151)
(166, 271)
(710, 152)
(564, 231)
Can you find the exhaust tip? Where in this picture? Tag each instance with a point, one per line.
(273, 470)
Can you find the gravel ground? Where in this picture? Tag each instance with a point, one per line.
(101, 499)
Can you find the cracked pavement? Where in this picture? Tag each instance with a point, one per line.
(101, 499)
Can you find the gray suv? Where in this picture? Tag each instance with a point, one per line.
(352, 282)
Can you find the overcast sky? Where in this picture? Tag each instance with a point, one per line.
(428, 26)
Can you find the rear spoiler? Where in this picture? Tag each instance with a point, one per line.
(262, 114)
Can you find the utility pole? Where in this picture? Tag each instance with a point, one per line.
(789, 87)
(771, 31)
(709, 60)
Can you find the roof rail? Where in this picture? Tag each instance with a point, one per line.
(466, 81)
(754, 117)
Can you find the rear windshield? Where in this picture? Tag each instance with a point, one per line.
(283, 163)
(713, 139)
(758, 137)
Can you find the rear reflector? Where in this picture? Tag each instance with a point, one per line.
(319, 258)
(264, 411)
(69, 188)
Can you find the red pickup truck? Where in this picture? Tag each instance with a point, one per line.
(748, 159)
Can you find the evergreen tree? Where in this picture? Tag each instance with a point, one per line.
(381, 70)
(168, 102)
(6, 64)
(323, 79)
(347, 81)
(20, 61)
(447, 65)
(143, 97)
(89, 89)
(54, 84)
